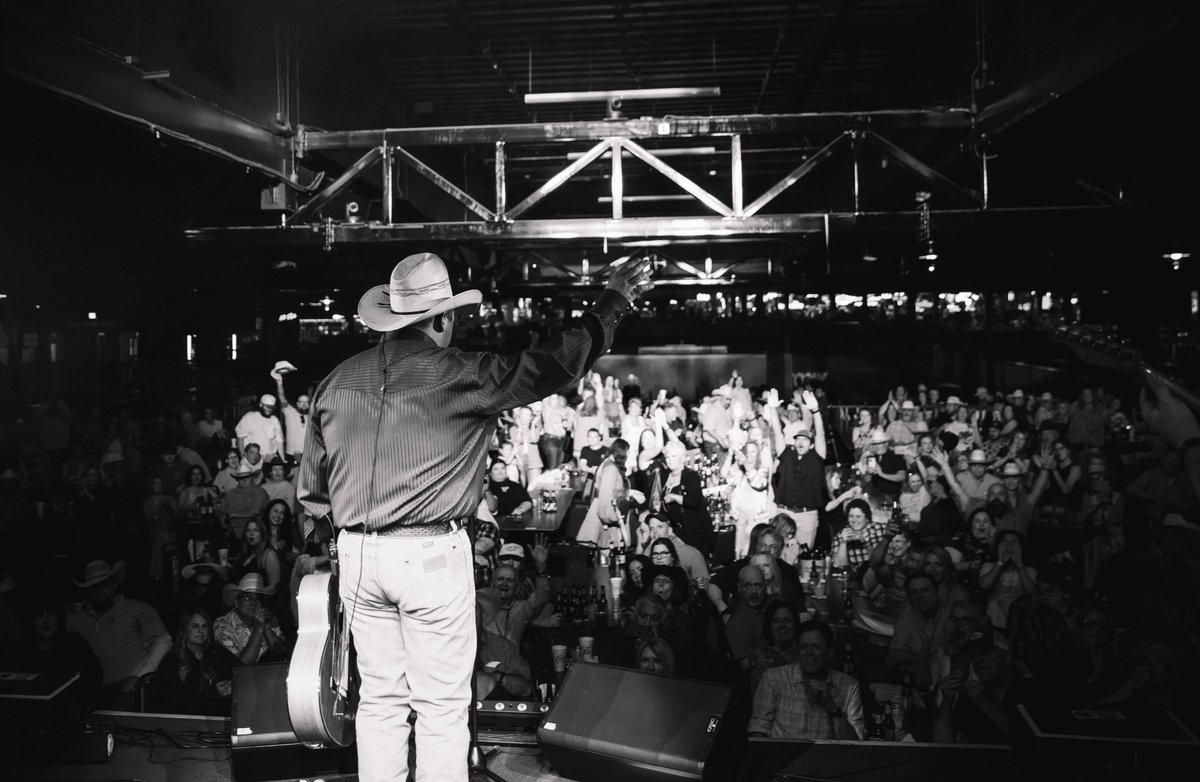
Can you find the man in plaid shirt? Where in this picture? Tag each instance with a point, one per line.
(808, 700)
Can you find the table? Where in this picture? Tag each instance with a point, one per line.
(539, 520)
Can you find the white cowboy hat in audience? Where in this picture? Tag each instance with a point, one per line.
(419, 289)
(907, 404)
(724, 391)
(98, 570)
(878, 436)
(251, 583)
(1010, 469)
(953, 400)
(284, 366)
(245, 471)
(978, 457)
(796, 429)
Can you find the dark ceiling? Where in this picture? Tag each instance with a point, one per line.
(1077, 106)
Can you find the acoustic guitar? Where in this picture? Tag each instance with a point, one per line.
(1099, 348)
(322, 681)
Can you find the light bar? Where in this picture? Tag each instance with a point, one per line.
(588, 96)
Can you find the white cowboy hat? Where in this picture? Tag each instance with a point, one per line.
(245, 471)
(251, 583)
(98, 570)
(284, 366)
(418, 290)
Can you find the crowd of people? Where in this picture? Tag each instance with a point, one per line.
(964, 552)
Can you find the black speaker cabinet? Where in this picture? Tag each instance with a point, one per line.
(264, 745)
(616, 723)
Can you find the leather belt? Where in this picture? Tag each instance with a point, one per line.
(797, 510)
(399, 529)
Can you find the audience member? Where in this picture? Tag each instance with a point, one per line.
(501, 673)
(249, 630)
(196, 676)
(654, 655)
(261, 427)
(127, 636)
(808, 699)
(980, 708)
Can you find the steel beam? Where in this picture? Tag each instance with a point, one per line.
(1098, 35)
(34, 52)
(642, 128)
(632, 232)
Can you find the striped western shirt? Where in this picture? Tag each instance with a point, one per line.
(400, 432)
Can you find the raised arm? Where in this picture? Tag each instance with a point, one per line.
(1167, 415)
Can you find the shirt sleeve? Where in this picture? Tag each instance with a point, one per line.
(155, 640)
(852, 705)
(224, 635)
(312, 486)
(766, 701)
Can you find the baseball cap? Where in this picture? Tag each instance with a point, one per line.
(512, 550)
(267, 399)
(981, 642)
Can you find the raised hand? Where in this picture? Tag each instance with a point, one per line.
(632, 278)
(809, 400)
(773, 399)
(540, 552)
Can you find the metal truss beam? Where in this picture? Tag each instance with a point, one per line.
(641, 128)
(31, 50)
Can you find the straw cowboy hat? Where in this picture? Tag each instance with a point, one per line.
(189, 570)
(418, 290)
(251, 583)
(98, 570)
(245, 471)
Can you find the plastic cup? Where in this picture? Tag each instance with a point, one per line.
(614, 589)
(559, 653)
(223, 557)
(587, 645)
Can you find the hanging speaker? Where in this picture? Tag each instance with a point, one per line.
(616, 723)
(265, 746)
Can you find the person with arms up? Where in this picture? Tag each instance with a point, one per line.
(395, 454)
(295, 416)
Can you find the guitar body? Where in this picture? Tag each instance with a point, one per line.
(322, 689)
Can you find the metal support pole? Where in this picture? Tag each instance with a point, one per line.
(501, 181)
(618, 182)
(735, 163)
(388, 173)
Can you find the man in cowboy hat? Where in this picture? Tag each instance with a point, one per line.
(244, 501)
(716, 422)
(395, 454)
(249, 631)
(799, 478)
(262, 427)
(127, 636)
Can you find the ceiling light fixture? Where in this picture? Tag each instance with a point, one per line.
(616, 98)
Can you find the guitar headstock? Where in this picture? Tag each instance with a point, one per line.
(1095, 346)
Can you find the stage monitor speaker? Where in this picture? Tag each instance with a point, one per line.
(265, 746)
(616, 723)
(1142, 741)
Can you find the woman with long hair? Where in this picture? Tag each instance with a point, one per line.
(606, 524)
(778, 643)
(654, 655)
(196, 676)
(256, 556)
(194, 492)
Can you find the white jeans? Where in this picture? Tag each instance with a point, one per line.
(411, 603)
